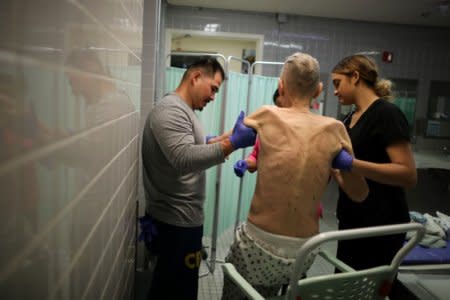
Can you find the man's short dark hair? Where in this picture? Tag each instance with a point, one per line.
(208, 64)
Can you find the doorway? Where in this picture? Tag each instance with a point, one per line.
(244, 46)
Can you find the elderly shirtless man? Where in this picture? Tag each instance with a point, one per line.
(294, 164)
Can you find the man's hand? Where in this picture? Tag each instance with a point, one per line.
(242, 135)
(240, 167)
(342, 161)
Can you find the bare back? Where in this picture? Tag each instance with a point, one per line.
(294, 166)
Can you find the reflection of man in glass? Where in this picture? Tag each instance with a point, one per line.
(19, 186)
(101, 146)
(107, 115)
(19, 132)
(90, 80)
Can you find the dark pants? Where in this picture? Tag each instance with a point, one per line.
(372, 252)
(178, 252)
(369, 252)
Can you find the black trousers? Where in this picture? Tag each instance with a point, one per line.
(369, 252)
(372, 252)
(178, 252)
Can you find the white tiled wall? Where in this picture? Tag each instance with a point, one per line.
(421, 53)
(70, 82)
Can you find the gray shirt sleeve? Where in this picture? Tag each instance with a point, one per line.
(183, 146)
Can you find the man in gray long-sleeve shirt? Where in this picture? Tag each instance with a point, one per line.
(175, 158)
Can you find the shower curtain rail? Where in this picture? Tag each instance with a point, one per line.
(217, 55)
(244, 61)
(250, 79)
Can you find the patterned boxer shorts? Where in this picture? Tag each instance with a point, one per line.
(263, 269)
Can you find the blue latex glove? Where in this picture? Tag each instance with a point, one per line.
(240, 167)
(148, 230)
(208, 137)
(342, 161)
(242, 136)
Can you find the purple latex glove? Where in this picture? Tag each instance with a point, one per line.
(240, 167)
(148, 230)
(342, 161)
(242, 136)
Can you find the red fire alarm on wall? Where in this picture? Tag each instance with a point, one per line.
(387, 56)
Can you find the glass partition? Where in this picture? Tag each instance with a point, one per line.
(438, 122)
(405, 97)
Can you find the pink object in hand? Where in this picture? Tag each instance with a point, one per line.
(254, 155)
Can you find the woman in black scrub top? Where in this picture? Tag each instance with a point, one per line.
(379, 133)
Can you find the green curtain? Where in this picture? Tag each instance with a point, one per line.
(172, 78)
(262, 90)
(237, 87)
(407, 105)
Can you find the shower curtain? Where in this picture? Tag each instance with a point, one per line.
(407, 105)
(262, 89)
